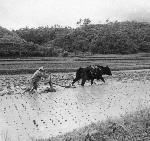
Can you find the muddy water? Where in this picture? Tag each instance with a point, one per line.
(42, 115)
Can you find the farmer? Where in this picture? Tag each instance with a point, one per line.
(37, 76)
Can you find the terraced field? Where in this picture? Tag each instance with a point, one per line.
(70, 64)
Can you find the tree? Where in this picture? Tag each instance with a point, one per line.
(83, 22)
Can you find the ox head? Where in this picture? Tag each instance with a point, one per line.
(107, 70)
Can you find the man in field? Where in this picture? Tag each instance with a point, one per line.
(37, 76)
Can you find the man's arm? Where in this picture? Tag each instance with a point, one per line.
(50, 82)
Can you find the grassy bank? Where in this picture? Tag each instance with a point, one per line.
(132, 127)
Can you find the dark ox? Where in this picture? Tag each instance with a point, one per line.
(91, 73)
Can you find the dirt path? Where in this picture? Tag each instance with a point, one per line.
(42, 115)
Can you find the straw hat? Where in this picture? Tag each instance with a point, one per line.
(41, 68)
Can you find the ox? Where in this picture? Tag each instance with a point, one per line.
(91, 73)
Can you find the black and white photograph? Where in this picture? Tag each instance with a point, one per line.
(74, 70)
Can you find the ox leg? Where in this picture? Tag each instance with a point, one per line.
(92, 81)
(84, 78)
(74, 80)
(102, 79)
(83, 82)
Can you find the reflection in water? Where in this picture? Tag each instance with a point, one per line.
(49, 114)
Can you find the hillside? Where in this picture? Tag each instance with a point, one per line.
(110, 38)
(10, 42)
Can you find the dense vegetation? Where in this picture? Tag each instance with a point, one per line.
(110, 38)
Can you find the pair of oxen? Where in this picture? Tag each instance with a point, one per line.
(91, 73)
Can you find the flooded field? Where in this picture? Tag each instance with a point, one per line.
(27, 116)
